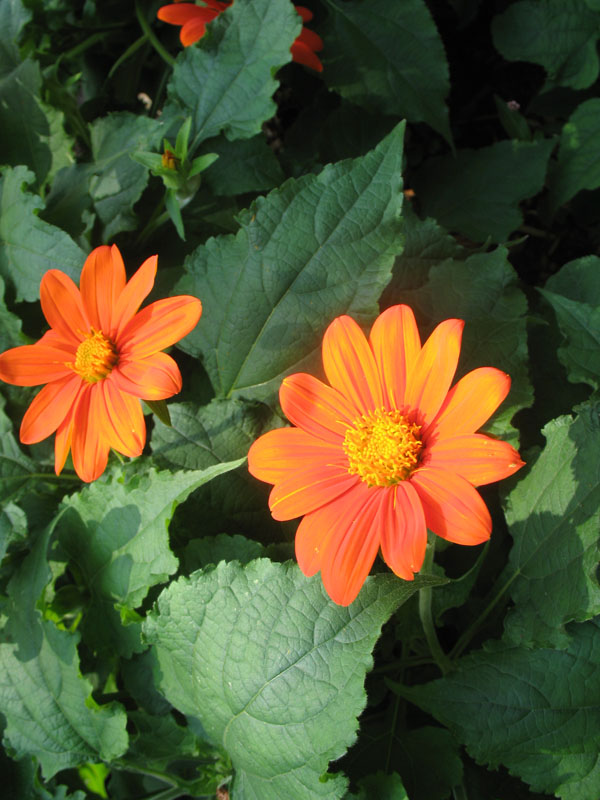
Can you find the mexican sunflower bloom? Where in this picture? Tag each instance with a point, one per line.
(99, 358)
(384, 452)
(193, 20)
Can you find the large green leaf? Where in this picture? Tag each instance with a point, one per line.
(118, 180)
(577, 166)
(272, 668)
(535, 711)
(317, 247)
(28, 245)
(574, 294)
(13, 16)
(561, 35)
(116, 532)
(554, 518)
(226, 80)
(477, 192)
(245, 165)
(388, 57)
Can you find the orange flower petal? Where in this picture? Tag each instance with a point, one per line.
(33, 364)
(63, 307)
(453, 509)
(350, 550)
(179, 13)
(430, 379)
(350, 365)
(125, 425)
(305, 13)
(89, 445)
(158, 326)
(137, 288)
(302, 54)
(102, 281)
(403, 530)
(153, 378)
(49, 408)
(396, 345)
(469, 404)
(310, 39)
(479, 459)
(315, 407)
(193, 30)
(308, 489)
(278, 453)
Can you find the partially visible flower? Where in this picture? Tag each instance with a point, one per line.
(385, 452)
(99, 358)
(193, 20)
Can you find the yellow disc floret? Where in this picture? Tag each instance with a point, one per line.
(95, 357)
(382, 447)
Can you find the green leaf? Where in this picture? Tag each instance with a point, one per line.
(13, 16)
(48, 705)
(10, 326)
(272, 668)
(553, 515)
(243, 166)
(577, 166)
(116, 532)
(478, 192)
(200, 553)
(380, 785)
(28, 245)
(15, 467)
(574, 294)
(561, 35)
(317, 247)
(535, 711)
(118, 180)
(402, 68)
(484, 291)
(225, 81)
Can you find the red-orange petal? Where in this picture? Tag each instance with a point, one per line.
(302, 54)
(310, 39)
(158, 326)
(153, 378)
(305, 13)
(89, 445)
(403, 530)
(350, 366)
(192, 31)
(63, 307)
(276, 454)
(478, 458)
(309, 488)
(453, 509)
(429, 381)
(350, 550)
(33, 364)
(315, 407)
(396, 344)
(137, 288)
(101, 283)
(179, 13)
(49, 408)
(125, 425)
(469, 404)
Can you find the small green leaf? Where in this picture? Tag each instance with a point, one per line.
(478, 191)
(161, 410)
(201, 163)
(380, 785)
(553, 515)
(561, 35)
(535, 711)
(28, 245)
(272, 668)
(246, 165)
(402, 68)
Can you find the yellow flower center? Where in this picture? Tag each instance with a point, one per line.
(382, 447)
(95, 357)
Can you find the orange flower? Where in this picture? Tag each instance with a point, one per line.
(98, 359)
(384, 452)
(193, 20)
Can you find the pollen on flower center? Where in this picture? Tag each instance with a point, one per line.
(382, 447)
(95, 357)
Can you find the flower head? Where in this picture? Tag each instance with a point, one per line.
(99, 358)
(384, 452)
(193, 20)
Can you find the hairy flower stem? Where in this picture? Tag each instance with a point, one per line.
(425, 595)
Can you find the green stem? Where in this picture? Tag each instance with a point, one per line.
(459, 792)
(158, 218)
(425, 596)
(466, 637)
(144, 25)
(85, 45)
(127, 54)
